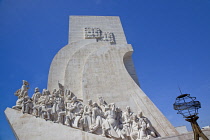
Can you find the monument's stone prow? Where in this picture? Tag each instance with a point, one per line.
(28, 127)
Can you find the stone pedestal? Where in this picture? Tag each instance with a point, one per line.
(28, 127)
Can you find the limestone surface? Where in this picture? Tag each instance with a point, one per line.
(97, 62)
(28, 127)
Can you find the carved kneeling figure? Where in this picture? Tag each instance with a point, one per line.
(27, 106)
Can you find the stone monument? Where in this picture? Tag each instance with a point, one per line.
(97, 62)
(93, 91)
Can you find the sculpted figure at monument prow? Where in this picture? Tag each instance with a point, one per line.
(22, 94)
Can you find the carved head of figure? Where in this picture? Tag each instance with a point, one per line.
(36, 90)
(135, 118)
(47, 92)
(25, 82)
(118, 109)
(57, 94)
(128, 109)
(74, 99)
(68, 97)
(95, 104)
(54, 90)
(101, 100)
(112, 106)
(140, 114)
(26, 98)
(90, 102)
(44, 92)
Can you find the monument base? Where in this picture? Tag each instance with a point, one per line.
(185, 136)
(28, 127)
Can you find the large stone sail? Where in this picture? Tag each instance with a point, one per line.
(97, 62)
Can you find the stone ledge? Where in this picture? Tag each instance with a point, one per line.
(28, 127)
(185, 136)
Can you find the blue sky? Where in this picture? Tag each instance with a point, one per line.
(170, 38)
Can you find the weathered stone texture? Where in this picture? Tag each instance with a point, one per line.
(105, 23)
(185, 136)
(28, 127)
(91, 69)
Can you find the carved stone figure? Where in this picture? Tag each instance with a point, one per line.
(27, 105)
(146, 130)
(74, 111)
(43, 110)
(54, 92)
(87, 115)
(46, 104)
(24, 88)
(109, 126)
(143, 131)
(19, 102)
(36, 109)
(58, 108)
(78, 122)
(126, 120)
(69, 115)
(21, 93)
(102, 104)
(119, 123)
(36, 102)
(36, 95)
(119, 117)
(106, 119)
(96, 118)
(135, 128)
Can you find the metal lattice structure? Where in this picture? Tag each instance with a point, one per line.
(186, 105)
